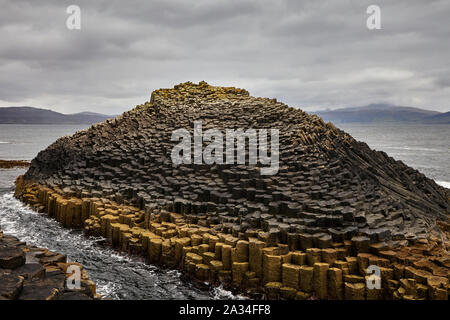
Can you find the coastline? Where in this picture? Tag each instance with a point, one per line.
(251, 266)
(10, 164)
(335, 212)
(29, 272)
(32, 273)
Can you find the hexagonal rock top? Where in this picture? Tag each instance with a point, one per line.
(328, 187)
(11, 258)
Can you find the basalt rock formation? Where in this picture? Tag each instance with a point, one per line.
(331, 193)
(8, 164)
(32, 273)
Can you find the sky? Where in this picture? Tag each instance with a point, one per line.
(309, 54)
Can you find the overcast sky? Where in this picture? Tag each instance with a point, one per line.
(308, 54)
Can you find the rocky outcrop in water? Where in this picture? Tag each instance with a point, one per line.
(332, 198)
(31, 273)
(8, 164)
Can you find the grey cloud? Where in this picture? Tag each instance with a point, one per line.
(310, 54)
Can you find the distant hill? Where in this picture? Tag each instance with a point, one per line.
(384, 113)
(30, 115)
(439, 118)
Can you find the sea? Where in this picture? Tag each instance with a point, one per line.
(119, 276)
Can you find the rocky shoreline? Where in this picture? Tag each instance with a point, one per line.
(336, 270)
(9, 164)
(333, 208)
(32, 273)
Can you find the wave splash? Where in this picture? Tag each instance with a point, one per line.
(445, 184)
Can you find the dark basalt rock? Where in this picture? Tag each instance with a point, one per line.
(74, 296)
(37, 290)
(11, 258)
(31, 271)
(37, 275)
(10, 286)
(328, 183)
(51, 258)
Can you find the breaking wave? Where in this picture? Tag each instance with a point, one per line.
(445, 184)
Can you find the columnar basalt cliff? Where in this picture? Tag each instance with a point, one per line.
(333, 208)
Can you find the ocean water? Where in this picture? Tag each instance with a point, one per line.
(423, 147)
(426, 148)
(23, 142)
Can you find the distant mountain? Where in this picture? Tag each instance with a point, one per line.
(30, 115)
(383, 113)
(443, 118)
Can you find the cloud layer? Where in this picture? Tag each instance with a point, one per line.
(309, 54)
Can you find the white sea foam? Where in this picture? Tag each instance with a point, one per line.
(3, 142)
(219, 293)
(108, 289)
(445, 184)
(412, 148)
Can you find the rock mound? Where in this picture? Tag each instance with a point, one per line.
(329, 187)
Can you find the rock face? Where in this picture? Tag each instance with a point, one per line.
(31, 273)
(327, 184)
(334, 207)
